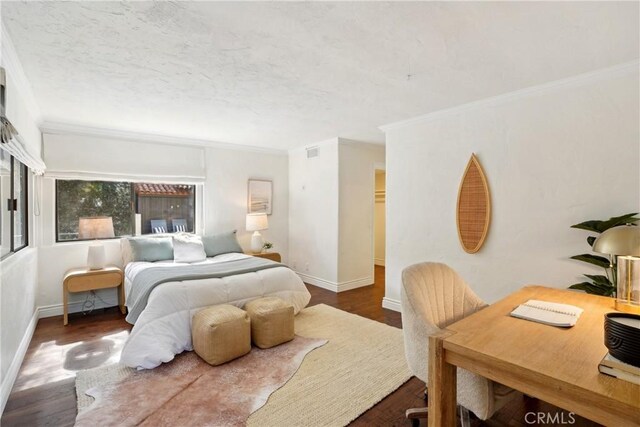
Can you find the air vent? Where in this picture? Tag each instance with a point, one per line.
(312, 152)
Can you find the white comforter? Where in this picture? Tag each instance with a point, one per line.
(164, 327)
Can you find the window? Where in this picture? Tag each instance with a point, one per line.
(14, 225)
(77, 199)
(163, 208)
(20, 231)
(5, 219)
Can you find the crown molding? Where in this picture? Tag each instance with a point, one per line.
(337, 140)
(574, 81)
(61, 128)
(11, 62)
(362, 144)
(323, 143)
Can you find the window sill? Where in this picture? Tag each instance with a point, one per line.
(86, 242)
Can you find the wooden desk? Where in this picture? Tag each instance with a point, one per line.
(557, 365)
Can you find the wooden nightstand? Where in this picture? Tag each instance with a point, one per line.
(273, 256)
(83, 279)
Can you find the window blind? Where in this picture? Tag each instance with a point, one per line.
(18, 149)
(88, 157)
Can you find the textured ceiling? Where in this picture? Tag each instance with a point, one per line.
(286, 74)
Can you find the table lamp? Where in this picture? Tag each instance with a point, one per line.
(255, 223)
(96, 227)
(624, 242)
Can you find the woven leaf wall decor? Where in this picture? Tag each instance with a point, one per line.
(473, 214)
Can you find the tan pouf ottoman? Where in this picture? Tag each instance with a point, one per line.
(271, 321)
(221, 333)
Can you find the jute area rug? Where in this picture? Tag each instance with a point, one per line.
(362, 362)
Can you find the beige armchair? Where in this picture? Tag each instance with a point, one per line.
(434, 296)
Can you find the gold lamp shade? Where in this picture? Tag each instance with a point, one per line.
(624, 242)
(620, 240)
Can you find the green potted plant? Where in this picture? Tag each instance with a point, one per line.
(600, 284)
(266, 246)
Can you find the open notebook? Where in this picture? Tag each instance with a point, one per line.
(549, 313)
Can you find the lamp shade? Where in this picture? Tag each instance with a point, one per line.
(621, 240)
(257, 222)
(96, 227)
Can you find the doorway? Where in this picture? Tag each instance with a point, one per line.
(379, 219)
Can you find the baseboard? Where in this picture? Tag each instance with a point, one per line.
(379, 261)
(14, 368)
(335, 286)
(317, 281)
(73, 307)
(391, 304)
(354, 284)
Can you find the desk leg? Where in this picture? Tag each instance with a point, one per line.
(441, 387)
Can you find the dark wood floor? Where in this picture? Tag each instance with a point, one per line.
(44, 393)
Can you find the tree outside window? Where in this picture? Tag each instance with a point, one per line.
(172, 205)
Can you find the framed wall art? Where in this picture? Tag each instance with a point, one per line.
(260, 196)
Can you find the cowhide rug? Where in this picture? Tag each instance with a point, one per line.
(189, 392)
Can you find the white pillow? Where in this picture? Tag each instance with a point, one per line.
(188, 248)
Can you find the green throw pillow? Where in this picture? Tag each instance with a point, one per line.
(223, 243)
(152, 249)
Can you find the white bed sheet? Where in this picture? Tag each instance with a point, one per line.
(164, 327)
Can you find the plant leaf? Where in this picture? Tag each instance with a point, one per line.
(619, 220)
(600, 280)
(601, 285)
(587, 287)
(601, 226)
(609, 289)
(591, 288)
(609, 292)
(593, 225)
(593, 259)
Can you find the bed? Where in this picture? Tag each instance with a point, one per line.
(163, 327)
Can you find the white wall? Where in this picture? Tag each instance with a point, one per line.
(379, 222)
(228, 172)
(554, 156)
(18, 272)
(331, 213)
(313, 214)
(18, 295)
(356, 210)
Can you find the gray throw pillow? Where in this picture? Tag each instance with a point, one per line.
(223, 243)
(152, 249)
